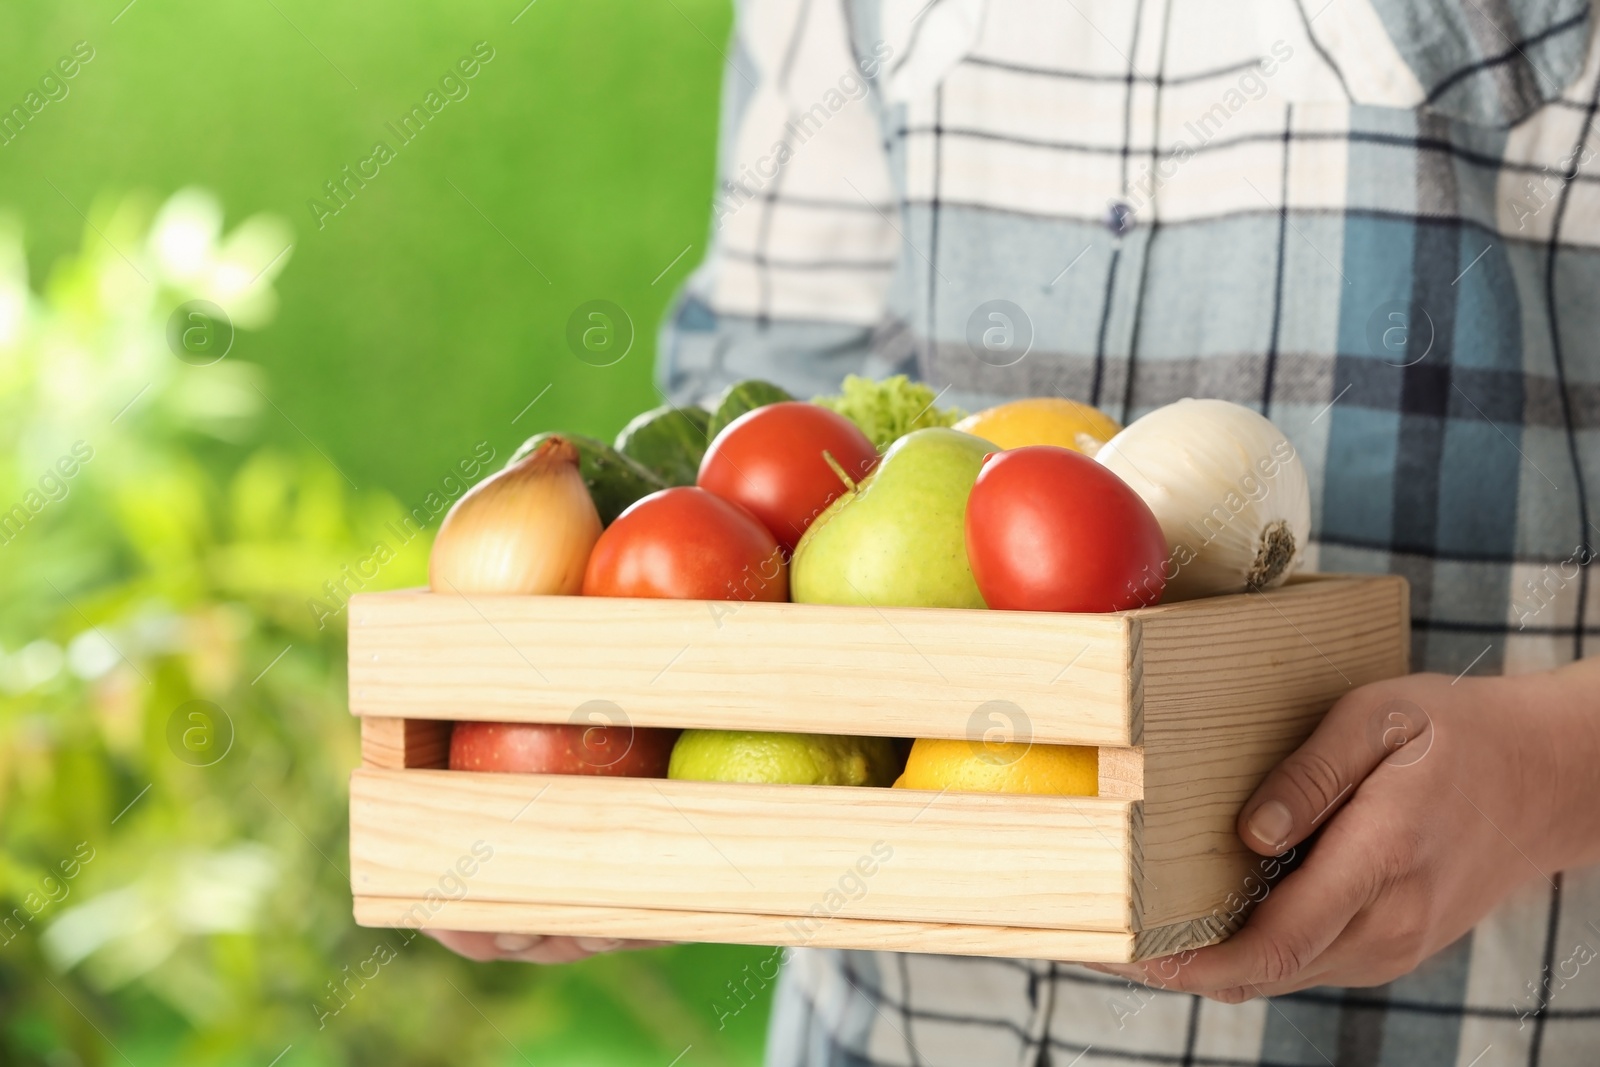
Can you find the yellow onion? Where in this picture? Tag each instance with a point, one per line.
(527, 529)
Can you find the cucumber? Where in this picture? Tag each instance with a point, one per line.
(668, 441)
(614, 480)
(741, 397)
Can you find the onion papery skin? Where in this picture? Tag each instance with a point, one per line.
(1228, 489)
(525, 530)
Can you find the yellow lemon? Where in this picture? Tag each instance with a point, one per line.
(1044, 420)
(989, 767)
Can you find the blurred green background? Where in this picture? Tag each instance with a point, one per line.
(173, 735)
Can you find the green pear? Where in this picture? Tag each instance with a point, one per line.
(898, 538)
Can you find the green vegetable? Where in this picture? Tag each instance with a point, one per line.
(888, 410)
(614, 480)
(668, 441)
(741, 397)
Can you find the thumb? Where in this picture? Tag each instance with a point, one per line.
(1300, 793)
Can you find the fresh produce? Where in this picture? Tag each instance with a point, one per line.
(526, 529)
(785, 463)
(561, 748)
(871, 498)
(687, 544)
(1049, 529)
(739, 398)
(898, 537)
(1011, 767)
(614, 480)
(887, 410)
(1227, 487)
(788, 759)
(667, 441)
(1043, 420)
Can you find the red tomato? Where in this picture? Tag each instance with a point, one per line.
(770, 462)
(1049, 529)
(687, 544)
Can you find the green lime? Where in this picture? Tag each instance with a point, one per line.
(790, 759)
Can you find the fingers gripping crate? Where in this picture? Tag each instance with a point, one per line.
(1189, 704)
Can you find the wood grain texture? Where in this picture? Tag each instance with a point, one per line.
(907, 672)
(1085, 946)
(1231, 686)
(1189, 703)
(896, 854)
(1121, 772)
(400, 743)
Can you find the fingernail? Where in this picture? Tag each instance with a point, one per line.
(1271, 824)
(515, 942)
(598, 944)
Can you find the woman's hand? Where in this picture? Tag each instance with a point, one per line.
(530, 948)
(1437, 799)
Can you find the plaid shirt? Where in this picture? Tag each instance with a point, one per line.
(1377, 221)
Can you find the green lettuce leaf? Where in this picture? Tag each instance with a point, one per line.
(888, 410)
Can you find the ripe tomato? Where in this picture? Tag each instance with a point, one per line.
(1049, 529)
(770, 461)
(687, 544)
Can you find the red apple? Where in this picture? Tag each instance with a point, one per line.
(561, 748)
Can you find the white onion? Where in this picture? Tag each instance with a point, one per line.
(1229, 491)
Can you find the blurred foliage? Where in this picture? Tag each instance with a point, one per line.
(433, 308)
(174, 882)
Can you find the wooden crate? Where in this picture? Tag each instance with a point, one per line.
(1190, 704)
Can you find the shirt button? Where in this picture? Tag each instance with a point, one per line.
(1119, 217)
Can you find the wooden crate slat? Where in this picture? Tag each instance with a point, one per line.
(400, 743)
(1231, 686)
(1189, 703)
(1087, 946)
(1121, 772)
(796, 667)
(973, 858)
